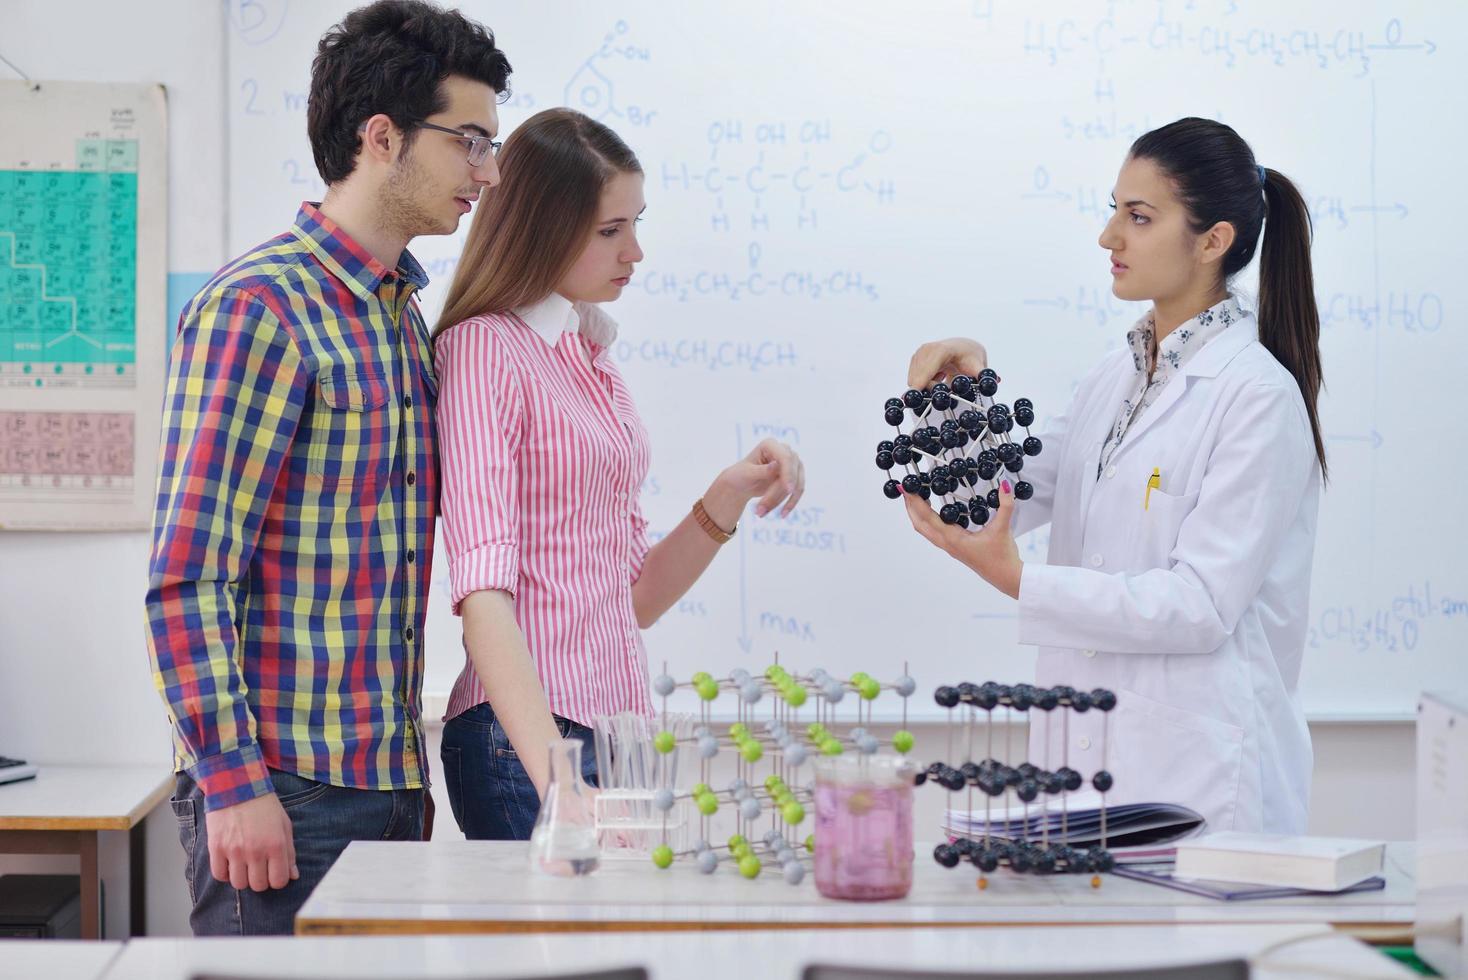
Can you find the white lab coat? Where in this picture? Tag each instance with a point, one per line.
(1192, 609)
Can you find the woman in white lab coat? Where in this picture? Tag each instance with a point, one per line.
(1181, 487)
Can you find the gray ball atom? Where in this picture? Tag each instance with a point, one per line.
(905, 686)
(868, 744)
(664, 685)
(834, 691)
(749, 808)
(663, 799)
(796, 755)
(708, 747)
(708, 861)
(739, 675)
(794, 872)
(750, 692)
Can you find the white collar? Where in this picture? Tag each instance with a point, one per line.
(556, 315)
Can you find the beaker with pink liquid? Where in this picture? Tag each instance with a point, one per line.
(863, 836)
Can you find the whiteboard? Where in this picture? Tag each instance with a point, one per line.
(828, 187)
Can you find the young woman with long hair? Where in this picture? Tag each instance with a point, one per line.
(1181, 489)
(544, 456)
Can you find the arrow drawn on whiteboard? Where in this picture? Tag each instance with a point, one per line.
(744, 640)
(1373, 437)
(1399, 208)
(1429, 46)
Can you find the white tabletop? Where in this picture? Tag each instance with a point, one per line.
(83, 797)
(487, 886)
(773, 955)
(55, 959)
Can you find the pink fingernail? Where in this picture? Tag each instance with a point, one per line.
(1006, 487)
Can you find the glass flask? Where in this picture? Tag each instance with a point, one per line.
(564, 839)
(863, 845)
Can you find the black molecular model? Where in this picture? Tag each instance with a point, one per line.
(958, 446)
(1017, 845)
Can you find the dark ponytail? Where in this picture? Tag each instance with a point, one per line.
(1217, 179)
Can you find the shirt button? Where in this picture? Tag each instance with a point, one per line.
(1084, 741)
(407, 401)
(411, 555)
(408, 635)
(1110, 472)
(1096, 560)
(1088, 653)
(413, 478)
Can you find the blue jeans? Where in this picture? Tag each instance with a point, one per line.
(490, 792)
(324, 820)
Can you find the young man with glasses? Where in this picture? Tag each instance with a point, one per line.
(298, 485)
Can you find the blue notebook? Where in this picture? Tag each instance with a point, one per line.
(1232, 891)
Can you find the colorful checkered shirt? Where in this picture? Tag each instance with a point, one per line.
(293, 537)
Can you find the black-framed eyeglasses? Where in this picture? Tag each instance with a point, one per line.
(479, 147)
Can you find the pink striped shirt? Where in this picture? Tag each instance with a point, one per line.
(543, 457)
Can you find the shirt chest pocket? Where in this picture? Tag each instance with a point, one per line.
(351, 430)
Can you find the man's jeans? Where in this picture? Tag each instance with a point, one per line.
(325, 819)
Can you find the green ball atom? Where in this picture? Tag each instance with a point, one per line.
(869, 689)
(738, 730)
(749, 866)
(708, 689)
(662, 856)
(752, 751)
(708, 804)
(830, 747)
(664, 742)
(793, 812)
(736, 840)
(815, 730)
(810, 843)
(772, 780)
(902, 741)
(795, 695)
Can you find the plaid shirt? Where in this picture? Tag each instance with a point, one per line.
(294, 529)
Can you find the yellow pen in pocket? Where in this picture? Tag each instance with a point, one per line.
(1154, 482)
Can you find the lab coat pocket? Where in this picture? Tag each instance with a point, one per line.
(1161, 518)
(1167, 754)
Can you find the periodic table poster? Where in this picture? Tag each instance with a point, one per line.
(83, 296)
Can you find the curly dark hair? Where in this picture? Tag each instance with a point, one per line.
(391, 57)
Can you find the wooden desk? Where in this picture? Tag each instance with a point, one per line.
(486, 886)
(65, 809)
(739, 956)
(55, 959)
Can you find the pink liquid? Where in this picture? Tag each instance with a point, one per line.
(863, 847)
